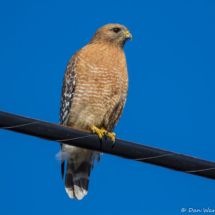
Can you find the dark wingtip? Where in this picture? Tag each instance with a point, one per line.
(62, 170)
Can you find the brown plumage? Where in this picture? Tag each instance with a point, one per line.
(94, 92)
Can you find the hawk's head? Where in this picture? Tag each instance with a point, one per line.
(112, 33)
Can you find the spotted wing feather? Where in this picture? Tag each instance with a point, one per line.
(68, 90)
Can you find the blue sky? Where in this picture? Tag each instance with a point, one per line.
(170, 103)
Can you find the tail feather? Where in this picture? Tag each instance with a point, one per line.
(80, 163)
(62, 163)
(77, 178)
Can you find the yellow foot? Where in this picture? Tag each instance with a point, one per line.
(103, 133)
(112, 136)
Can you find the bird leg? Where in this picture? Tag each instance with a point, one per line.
(103, 133)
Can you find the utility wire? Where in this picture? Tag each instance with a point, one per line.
(121, 148)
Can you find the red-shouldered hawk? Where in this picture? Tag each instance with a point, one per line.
(94, 92)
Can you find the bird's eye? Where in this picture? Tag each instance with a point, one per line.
(116, 30)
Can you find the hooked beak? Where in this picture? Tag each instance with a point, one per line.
(128, 35)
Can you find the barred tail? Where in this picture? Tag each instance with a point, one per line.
(77, 178)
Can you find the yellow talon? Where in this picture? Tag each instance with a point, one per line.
(112, 136)
(102, 132)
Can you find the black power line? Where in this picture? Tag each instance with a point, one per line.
(122, 148)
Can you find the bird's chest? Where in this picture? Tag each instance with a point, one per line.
(103, 79)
